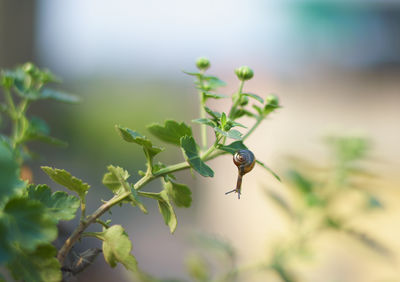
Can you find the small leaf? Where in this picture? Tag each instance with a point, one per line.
(39, 265)
(10, 182)
(254, 96)
(205, 121)
(65, 179)
(171, 131)
(190, 151)
(38, 130)
(164, 207)
(233, 147)
(258, 109)
(193, 73)
(117, 247)
(213, 81)
(59, 205)
(208, 94)
(115, 180)
(134, 137)
(26, 223)
(167, 211)
(215, 115)
(233, 133)
(269, 170)
(179, 193)
(60, 96)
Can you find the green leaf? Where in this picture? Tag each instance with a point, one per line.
(117, 247)
(208, 94)
(223, 120)
(269, 170)
(39, 265)
(254, 96)
(59, 205)
(5, 248)
(205, 121)
(10, 183)
(215, 115)
(116, 181)
(164, 207)
(197, 74)
(233, 147)
(65, 179)
(305, 185)
(26, 223)
(134, 137)
(190, 151)
(39, 130)
(171, 131)
(258, 109)
(213, 81)
(167, 211)
(180, 194)
(233, 133)
(60, 96)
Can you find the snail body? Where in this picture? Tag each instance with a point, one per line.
(245, 161)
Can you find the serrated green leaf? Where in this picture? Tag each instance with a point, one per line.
(171, 131)
(205, 121)
(117, 247)
(180, 194)
(233, 147)
(134, 137)
(39, 265)
(65, 179)
(10, 182)
(233, 133)
(116, 181)
(269, 170)
(60, 96)
(254, 96)
(59, 205)
(191, 153)
(26, 223)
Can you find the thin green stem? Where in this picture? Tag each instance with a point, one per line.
(10, 102)
(202, 104)
(236, 99)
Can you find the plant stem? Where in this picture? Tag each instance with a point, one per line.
(236, 99)
(202, 103)
(10, 103)
(74, 237)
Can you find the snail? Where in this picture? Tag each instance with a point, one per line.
(245, 161)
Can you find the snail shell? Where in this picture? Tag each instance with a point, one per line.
(244, 160)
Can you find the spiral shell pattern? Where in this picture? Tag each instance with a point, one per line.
(244, 160)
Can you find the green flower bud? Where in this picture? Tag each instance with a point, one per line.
(244, 73)
(244, 100)
(271, 104)
(202, 63)
(28, 67)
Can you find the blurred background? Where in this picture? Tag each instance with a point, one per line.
(335, 66)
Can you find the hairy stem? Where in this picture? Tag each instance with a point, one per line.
(236, 100)
(202, 104)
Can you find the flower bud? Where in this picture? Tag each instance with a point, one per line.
(271, 103)
(244, 73)
(202, 63)
(28, 67)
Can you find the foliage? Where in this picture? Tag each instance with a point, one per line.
(29, 213)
